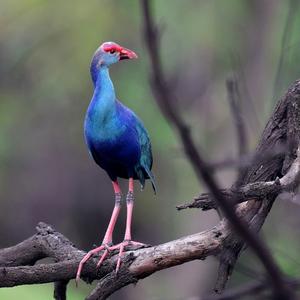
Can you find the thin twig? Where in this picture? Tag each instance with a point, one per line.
(240, 128)
(292, 9)
(253, 288)
(17, 262)
(257, 190)
(164, 98)
(248, 99)
(247, 160)
(235, 107)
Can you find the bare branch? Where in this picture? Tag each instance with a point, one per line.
(24, 253)
(257, 190)
(164, 98)
(60, 290)
(226, 240)
(254, 288)
(245, 161)
(240, 128)
(286, 35)
(234, 104)
(138, 264)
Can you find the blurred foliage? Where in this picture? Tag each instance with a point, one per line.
(44, 292)
(45, 88)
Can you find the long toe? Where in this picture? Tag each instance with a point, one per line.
(121, 252)
(121, 246)
(134, 243)
(104, 255)
(86, 258)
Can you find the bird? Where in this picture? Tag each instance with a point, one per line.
(118, 142)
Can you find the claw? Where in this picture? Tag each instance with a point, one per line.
(85, 259)
(121, 248)
(120, 255)
(104, 255)
(107, 248)
(136, 244)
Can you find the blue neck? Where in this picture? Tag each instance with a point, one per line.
(104, 99)
(104, 87)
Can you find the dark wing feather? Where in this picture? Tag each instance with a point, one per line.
(146, 159)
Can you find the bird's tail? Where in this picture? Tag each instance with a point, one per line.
(151, 177)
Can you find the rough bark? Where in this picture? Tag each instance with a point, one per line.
(17, 262)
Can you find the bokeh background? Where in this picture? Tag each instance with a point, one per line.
(45, 87)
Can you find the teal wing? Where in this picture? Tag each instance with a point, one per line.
(143, 170)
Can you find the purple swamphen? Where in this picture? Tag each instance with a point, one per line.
(118, 142)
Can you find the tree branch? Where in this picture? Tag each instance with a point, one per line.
(137, 264)
(60, 290)
(226, 240)
(17, 262)
(253, 288)
(164, 97)
(257, 190)
(235, 108)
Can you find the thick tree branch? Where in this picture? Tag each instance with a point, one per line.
(46, 243)
(138, 264)
(60, 290)
(259, 183)
(16, 262)
(257, 190)
(164, 98)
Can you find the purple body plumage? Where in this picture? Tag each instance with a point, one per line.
(115, 136)
(118, 142)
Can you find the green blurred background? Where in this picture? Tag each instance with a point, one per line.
(45, 87)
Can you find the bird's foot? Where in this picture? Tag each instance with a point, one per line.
(121, 246)
(105, 247)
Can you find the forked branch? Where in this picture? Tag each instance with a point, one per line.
(260, 183)
(17, 263)
(241, 232)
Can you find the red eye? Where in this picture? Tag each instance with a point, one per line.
(112, 51)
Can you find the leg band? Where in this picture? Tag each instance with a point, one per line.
(129, 197)
(118, 199)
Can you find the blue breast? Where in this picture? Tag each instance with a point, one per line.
(115, 136)
(112, 138)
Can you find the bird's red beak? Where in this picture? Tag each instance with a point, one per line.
(127, 54)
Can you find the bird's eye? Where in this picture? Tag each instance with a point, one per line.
(112, 51)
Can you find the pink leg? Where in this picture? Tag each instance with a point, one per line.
(129, 204)
(108, 235)
(127, 237)
(111, 226)
(131, 185)
(107, 240)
